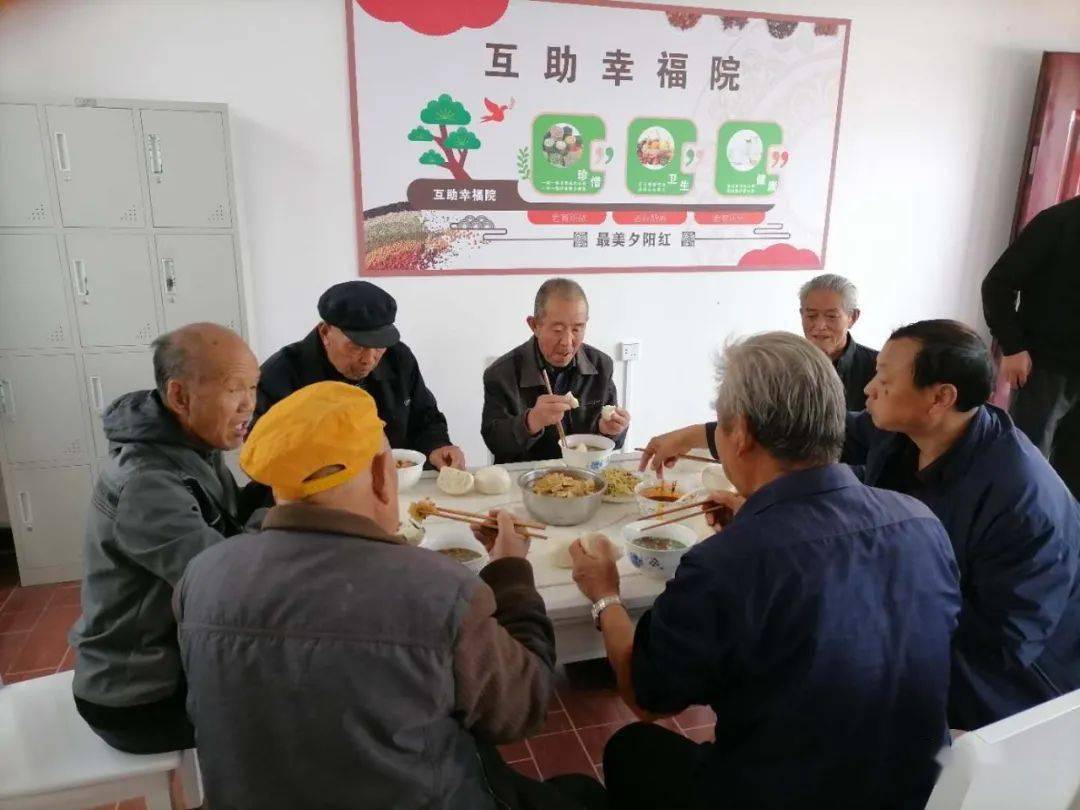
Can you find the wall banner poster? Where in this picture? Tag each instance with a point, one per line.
(539, 136)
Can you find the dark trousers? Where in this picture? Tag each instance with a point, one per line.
(516, 791)
(151, 728)
(647, 766)
(1047, 409)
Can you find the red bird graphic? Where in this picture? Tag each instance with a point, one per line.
(497, 112)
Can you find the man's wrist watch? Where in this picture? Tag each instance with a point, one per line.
(602, 604)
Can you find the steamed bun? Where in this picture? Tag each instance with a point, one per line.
(492, 481)
(560, 554)
(607, 412)
(453, 481)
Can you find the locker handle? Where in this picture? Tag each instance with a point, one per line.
(97, 396)
(24, 507)
(78, 269)
(168, 271)
(7, 400)
(157, 163)
(63, 159)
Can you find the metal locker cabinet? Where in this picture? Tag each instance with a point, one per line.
(186, 165)
(95, 159)
(24, 184)
(198, 280)
(49, 515)
(41, 409)
(33, 313)
(113, 282)
(109, 376)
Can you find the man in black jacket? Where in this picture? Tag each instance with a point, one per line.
(357, 343)
(1040, 339)
(829, 306)
(520, 417)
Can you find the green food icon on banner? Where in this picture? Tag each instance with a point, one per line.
(748, 158)
(568, 154)
(661, 156)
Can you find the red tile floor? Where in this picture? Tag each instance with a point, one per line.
(585, 712)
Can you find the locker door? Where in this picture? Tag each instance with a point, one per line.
(109, 376)
(49, 515)
(113, 281)
(24, 185)
(33, 314)
(198, 280)
(95, 159)
(185, 161)
(41, 409)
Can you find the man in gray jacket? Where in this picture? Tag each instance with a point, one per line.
(163, 496)
(332, 665)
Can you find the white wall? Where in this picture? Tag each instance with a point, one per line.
(936, 110)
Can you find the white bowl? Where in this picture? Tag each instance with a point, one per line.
(457, 536)
(408, 476)
(657, 563)
(591, 460)
(647, 506)
(714, 479)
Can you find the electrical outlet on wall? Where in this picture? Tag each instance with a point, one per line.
(630, 350)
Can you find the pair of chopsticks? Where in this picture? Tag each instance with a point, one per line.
(488, 522)
(692, 509)
(687, 456)
(562, 433)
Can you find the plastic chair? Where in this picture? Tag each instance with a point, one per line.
(50, 758)
(1029, 760)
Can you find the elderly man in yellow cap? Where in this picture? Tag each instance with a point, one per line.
(331, 664)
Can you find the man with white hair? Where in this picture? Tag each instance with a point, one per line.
(816, 624)
(829, 306)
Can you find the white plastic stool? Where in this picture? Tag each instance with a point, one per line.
(50, 758)
(1029, 760)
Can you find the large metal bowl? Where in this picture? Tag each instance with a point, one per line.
(561, 511)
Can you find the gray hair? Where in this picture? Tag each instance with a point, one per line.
(557, 288)
(171, 360)
(789, 393)
(849, 293)
(182, 353)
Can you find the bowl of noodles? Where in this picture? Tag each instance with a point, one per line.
(562, 497)
(621, 483)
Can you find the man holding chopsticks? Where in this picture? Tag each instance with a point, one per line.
(552, 381)
(387, 680)
(816, 624)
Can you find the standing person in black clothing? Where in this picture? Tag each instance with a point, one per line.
(1040, 339)
(829, 306)
(357, 343)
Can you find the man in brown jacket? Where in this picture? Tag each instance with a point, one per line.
(330, 664)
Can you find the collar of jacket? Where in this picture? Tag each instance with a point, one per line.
(955, 462)
(530, 376)
(314, 357)
(847, 357)
(303, 517)
(812, 481)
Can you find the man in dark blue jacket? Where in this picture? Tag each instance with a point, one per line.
(1014, 525)
(817, 624)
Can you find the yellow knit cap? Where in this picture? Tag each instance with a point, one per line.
(321, 425)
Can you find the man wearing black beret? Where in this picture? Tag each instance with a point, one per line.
(356, 342)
